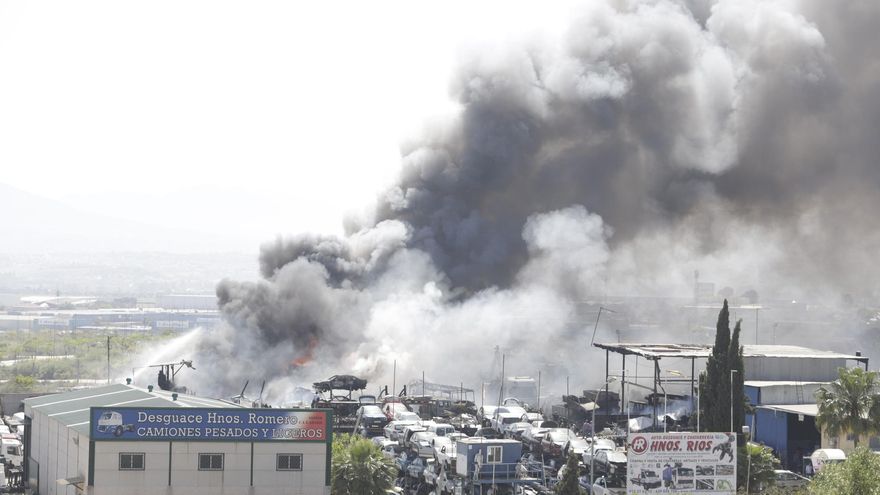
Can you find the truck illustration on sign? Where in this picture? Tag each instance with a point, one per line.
(111, 421)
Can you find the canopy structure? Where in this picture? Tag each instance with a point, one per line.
(657, 351)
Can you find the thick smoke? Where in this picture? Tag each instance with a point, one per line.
(649, 140)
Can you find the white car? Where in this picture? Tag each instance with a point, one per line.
(485, 414)
(519, 411)
(576, 446)
(516, 430)
(394, 429)
(533, 416)
(502, 421)
(406, 416)
(408, 432)
(608, 487)
(596, 446)
(444, 450)
(533, 436)
(391, 450)
(440, 429)
(417, 467)
(612, 462)
(391, 409)
(421, 443)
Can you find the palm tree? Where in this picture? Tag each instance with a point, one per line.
(360, 468)
(846, 404)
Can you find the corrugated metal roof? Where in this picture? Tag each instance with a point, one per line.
(72, 408)
(805, 409)
(698, 351)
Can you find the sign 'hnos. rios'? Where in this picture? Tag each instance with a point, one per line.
(683, 463)
(195, 424)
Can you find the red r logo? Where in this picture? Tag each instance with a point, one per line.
(639, 445)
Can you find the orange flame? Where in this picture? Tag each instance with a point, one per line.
(307, 356)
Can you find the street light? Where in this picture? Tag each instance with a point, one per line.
(665, 403)
(731, 399)
(593, 433)
(666, 398)
(596, 327)
(702, 374)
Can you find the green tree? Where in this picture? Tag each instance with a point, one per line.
(715, 385)
(856, 476)
(23, 383)
(760, 472)
(569, 485)
(736, 364)
(360, 468)
(850, 404)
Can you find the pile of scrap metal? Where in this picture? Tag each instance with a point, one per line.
(348, 383)
(576, 410)
(343, 405)
(438, 400)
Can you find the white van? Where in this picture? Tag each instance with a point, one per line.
(821, 457)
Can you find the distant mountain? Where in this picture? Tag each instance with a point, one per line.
(33, 224)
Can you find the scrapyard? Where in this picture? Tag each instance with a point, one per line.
(631, 435)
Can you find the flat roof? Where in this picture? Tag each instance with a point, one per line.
(72, 408)
(805, 409)
(702, 351)
(775, 383)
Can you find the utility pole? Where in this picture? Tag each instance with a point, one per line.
(108, 360)
(731, 400)
(756, 324)
(538, 403)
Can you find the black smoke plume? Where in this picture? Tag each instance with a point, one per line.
(649, 140)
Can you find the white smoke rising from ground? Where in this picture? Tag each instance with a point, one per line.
(649, 140)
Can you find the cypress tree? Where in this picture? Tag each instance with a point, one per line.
(569, 485)
(715, 386)
(735, 362)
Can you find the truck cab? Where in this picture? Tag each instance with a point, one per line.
(11, 449)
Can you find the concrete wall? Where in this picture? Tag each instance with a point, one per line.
(186, 479)
(792, 369)
(11, 403)
(847, 444)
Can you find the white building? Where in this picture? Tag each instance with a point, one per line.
(121, 439)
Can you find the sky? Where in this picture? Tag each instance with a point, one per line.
(226, 116)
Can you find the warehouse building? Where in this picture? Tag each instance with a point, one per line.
(124, 439)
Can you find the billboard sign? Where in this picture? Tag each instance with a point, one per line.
(209, 424)
(683, 463)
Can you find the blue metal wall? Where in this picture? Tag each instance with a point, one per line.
(772, 430)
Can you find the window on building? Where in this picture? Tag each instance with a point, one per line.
(874, 443)
(289, 462)
(210, 462)
(493, 455)
(129, 461)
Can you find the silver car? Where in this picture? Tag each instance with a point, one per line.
(787, 479)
